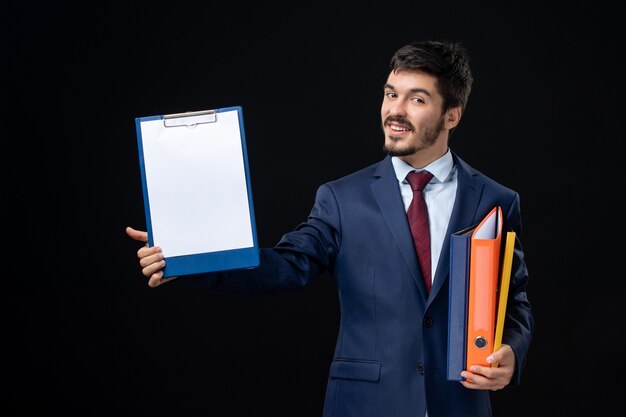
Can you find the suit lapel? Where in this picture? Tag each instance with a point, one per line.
(387, 193)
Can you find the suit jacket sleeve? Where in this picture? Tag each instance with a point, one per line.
(300, 256)
(519, 323)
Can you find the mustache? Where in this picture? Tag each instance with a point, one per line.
(400, 121)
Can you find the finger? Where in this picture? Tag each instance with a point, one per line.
(484, 371)
(137, 234)
(473, 380)
(469, 380)
(146, 251)
(153, 268)
(156, 258)
(499, 355)
(157, 279)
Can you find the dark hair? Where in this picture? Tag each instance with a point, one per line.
(447, 61)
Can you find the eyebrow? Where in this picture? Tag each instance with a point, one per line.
(412, 90)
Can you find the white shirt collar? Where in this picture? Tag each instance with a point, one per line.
(440, 168)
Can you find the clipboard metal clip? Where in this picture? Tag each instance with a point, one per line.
(189, 119)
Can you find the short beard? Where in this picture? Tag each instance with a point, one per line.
(399, 151)
(427, 139)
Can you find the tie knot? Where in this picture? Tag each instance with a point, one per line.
(418, 180)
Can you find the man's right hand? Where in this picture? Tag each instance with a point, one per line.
(151, 259)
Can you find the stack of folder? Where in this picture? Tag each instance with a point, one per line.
(480, 271)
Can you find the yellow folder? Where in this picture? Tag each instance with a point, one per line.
(505, 279)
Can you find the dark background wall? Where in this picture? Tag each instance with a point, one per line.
(82, 330)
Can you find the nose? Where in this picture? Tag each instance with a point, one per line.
(397, 108)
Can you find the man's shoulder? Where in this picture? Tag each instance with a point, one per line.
(466, 170)
(361, 175)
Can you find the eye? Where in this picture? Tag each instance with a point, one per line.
(390, 94)
(418, 100)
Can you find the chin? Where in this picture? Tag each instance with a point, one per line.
(399, 150)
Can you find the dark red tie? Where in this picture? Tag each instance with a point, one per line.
(418, 220)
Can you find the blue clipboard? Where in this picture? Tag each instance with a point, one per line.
(196, 190)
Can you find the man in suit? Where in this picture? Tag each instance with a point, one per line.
(390, 355)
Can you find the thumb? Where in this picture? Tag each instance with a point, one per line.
(139, 235)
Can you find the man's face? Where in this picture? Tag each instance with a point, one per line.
(412, 115)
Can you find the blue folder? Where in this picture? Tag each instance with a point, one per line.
(457, 307)
(197, 191)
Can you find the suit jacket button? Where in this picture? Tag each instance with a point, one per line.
(420, 368)
(428, 321)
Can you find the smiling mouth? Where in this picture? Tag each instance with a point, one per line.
(394, 129)
(397, 128)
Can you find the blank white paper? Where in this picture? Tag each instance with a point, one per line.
(196, 186)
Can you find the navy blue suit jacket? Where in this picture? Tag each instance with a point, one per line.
(390, 355)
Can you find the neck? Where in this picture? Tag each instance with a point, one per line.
(424, 157)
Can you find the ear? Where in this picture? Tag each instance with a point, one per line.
(452, 117)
